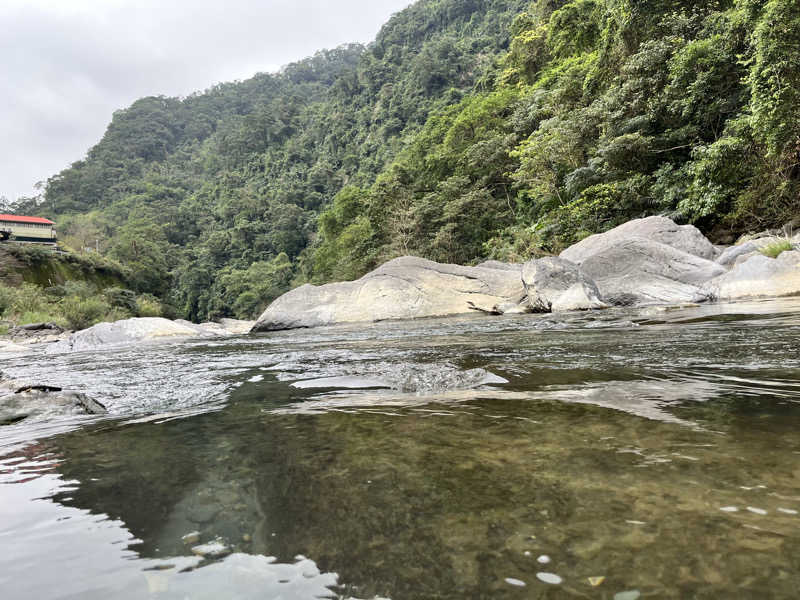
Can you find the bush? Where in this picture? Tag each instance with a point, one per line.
(148, 306)
(121, 298)
(81, 313)
(51, 315)
(81, 289)
(775, 249)
(6, 298)
(26, 298)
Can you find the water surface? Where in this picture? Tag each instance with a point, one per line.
(651, 453)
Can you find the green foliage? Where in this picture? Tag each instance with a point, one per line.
(122, 299)
(775, 249)
(148, 306)
(775, 77)
(80, 313)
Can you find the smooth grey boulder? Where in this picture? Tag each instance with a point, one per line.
(22, 400)
(403, 288)
(128, 331)
(236, 326)
(685, 238)
(759, 276)
(554, 285)
(145, 329)
(639, 271)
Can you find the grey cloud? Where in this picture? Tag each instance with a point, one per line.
(67, 65)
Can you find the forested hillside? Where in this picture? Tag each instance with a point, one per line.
(468, 129)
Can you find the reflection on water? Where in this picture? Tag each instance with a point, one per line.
(654, 457)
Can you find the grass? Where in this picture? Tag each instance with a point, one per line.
(774, 249)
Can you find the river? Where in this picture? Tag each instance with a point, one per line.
(651, 453)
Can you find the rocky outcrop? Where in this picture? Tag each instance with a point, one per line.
(641, 271)
(143, 329)
(685, 238)
(759, 276)
(555, 284)
(404, 288)
(645, 261)
(22, 400)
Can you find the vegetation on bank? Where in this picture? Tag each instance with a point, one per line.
(469, 129)
(75, 305)
(38, 285)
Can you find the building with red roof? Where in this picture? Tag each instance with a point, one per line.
(19, 228)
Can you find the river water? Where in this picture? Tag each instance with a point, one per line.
(621, 454)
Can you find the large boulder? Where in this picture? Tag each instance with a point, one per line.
(128, 331)
(404, 288)
(554, 284)
(22, 400)
(639, 271)
(685, 238)
(759, 276)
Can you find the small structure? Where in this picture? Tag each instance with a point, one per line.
(17, 228)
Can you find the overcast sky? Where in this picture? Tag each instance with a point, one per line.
(67, 65)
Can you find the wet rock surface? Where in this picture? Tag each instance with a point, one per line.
(20, 400)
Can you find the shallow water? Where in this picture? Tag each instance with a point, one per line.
(622, 454)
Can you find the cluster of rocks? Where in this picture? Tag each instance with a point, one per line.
(645, 261)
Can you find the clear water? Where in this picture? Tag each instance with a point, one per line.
(651, 454)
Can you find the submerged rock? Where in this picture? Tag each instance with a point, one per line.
(21, 400)
(215, 549)
(759, 276)
(554, 284)
(404, 288)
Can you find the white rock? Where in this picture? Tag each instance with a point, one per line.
(550, 578)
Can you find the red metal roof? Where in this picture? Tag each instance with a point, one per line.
(19, 219)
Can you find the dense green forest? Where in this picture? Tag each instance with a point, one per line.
(468, 129)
